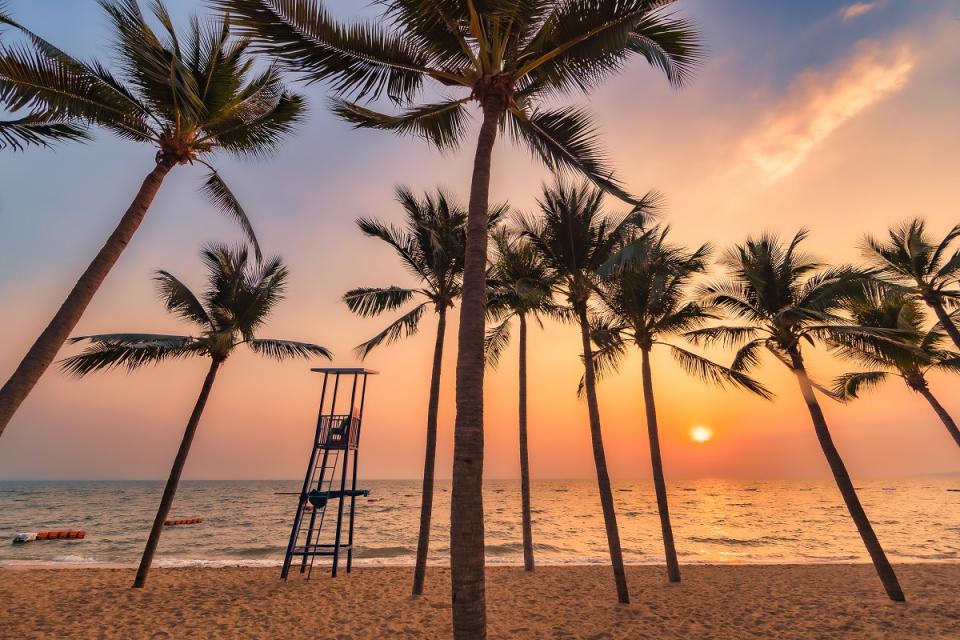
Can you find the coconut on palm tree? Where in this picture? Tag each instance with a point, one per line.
(785, 301)
(431, 245)
(512, 59)
(575, 238)
(521, 287)
(239, 297)
(925, 269)
(188, 96)
(644, 297)
(923, 351)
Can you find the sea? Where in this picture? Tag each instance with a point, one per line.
(247, 523)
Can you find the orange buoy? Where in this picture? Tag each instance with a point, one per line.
(71, 534)
(181, 521)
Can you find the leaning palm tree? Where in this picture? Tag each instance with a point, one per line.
(644, 300)
(238, 299)
(575, 238)
(883, 307)
(512, 58)
(521, 287)
(188, 96)
(785, 299)
(431, 246)
(923, 268)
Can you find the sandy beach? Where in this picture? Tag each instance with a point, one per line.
(786, 601)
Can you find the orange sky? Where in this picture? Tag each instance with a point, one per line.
(840, 121)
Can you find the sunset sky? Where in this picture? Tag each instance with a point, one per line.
(835, 116)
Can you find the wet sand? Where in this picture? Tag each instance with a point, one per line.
(772, 601)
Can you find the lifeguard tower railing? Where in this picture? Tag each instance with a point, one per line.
(331, 475)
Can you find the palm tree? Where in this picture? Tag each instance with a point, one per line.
(927, 271)
(189, 97)
(644, 300)
(521, 286)
(509, 57)
(431, 246)
(237, 301)
(881, 307)
(784, 299)
(575, 238)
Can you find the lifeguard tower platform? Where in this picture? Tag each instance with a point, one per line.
(331, 477)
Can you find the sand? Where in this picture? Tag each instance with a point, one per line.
(785, 601)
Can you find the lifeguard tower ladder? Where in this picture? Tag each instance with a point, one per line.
(331, 478)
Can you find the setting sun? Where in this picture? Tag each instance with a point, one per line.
(701, 433)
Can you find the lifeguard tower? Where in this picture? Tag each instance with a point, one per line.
(331, 478)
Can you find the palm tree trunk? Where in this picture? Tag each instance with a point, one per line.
(842, 478)
(45, 349)
(466, 506)
(170, 490)
(524, 459)
(600, 460)
(945, 320)
(429, 461)
(670, 552)
(942, 413)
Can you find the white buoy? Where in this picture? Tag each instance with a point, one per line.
(20, 538)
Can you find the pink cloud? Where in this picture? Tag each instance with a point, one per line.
(821, 100)
(856, 9)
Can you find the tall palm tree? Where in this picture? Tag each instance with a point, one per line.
(926, 270)
(431, 246)
(784, 298)
(188, 96)
(509, 57)
(575, 238)
(521, 286)
(239, 297)
(881, 307)
(645, 300)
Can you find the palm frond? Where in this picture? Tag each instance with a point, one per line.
(287, 349)
(496, 341)
(179, 299)
(372, 301)
(226, 202)
(714, 373)
(130, 350)
(39, 130)
(849, 385)
(403, 327)
(565, 138)
(362, 60)
(443, 124)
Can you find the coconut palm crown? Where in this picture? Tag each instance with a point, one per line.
(239, 297)
(431, 246)
(189, 95)
(926, 269)
(520, 286)
(644, 296)
(517, 53)
(922, 351)
(785, 299)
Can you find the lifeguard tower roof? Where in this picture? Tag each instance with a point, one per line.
(345, 370)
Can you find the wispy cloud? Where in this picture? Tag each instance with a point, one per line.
(856, 10)
(821, 100)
